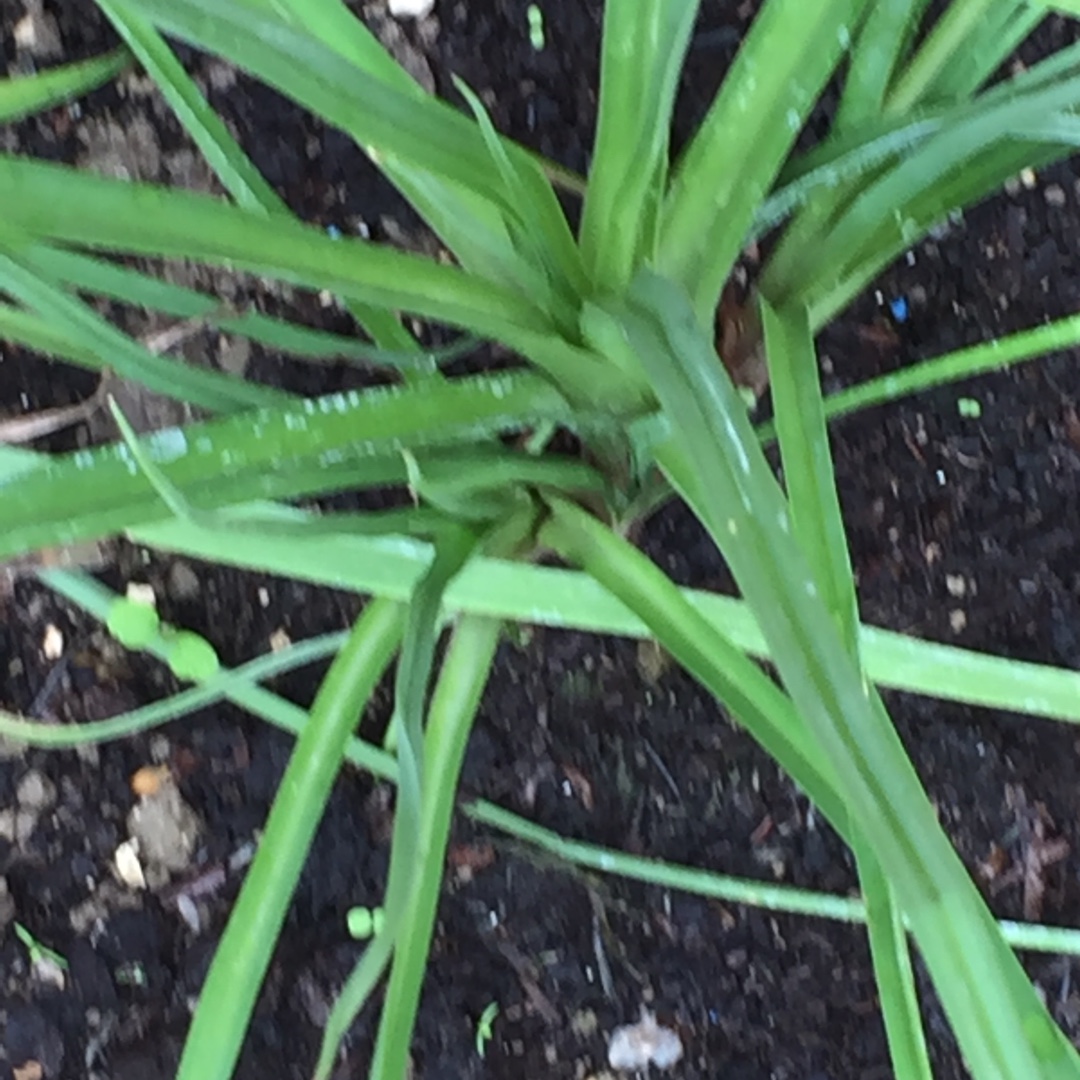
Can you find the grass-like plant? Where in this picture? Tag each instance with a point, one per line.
(614, 325)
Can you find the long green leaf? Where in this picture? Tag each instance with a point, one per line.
(818, 526)
(75, 207)
(808, 474)
(224, 155)
(454, 703)
(52, 202)
(948, 41)
(339, 29)
(982, 53)
(96, 338)
(727, 170)
(644, 43)
(385, 120)
(323, 444)
(397, 128)
(879, 48)
(550, 597)
(240, 962)
(1003, 1027)
(130, 286)
(408, 860)
(24, 95)
(966, 363)
(754, 699)
(896, 208)
(96, 599)
(240, 177)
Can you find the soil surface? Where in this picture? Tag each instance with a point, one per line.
(963, 529)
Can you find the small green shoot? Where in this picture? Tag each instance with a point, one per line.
(969, 408)
(483, 1027)
(536, 26)
(39, 954)
(364, 923)
(131, 974)
(191, 657)
(132, 623)
(136, 625)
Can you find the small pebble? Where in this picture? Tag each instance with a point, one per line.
(52, 645)
(410, 9)
(38, 33)
(35, 792)
(183, 582)
(1054, 195)
(139, 592)
(128, 866)
(636, 1046)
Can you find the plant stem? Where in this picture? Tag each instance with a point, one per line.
(240, 962)
(453, 708)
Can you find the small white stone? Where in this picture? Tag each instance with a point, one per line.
(49, 973)
(35, 792)
(139, 592)
(52, 644)
(410, 9)
(128, 867)
(636, 1046)
(37, 33)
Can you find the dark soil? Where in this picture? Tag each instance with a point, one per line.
(963, 530)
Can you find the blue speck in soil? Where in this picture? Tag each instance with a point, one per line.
(899, 308)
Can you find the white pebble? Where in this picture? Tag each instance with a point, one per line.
(636, 1046)
(410, 9)
(128, 867)
(52, 644)
(35, 792)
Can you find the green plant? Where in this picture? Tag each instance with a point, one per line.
(615, 325)
(39, 954)
(135, 625)
(484, 1025)
(364, 922)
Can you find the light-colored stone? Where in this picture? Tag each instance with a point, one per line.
(36, 792)
(183, 582)
(636, 1046)
(166, 828)
(410, 9)
(37, 33)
